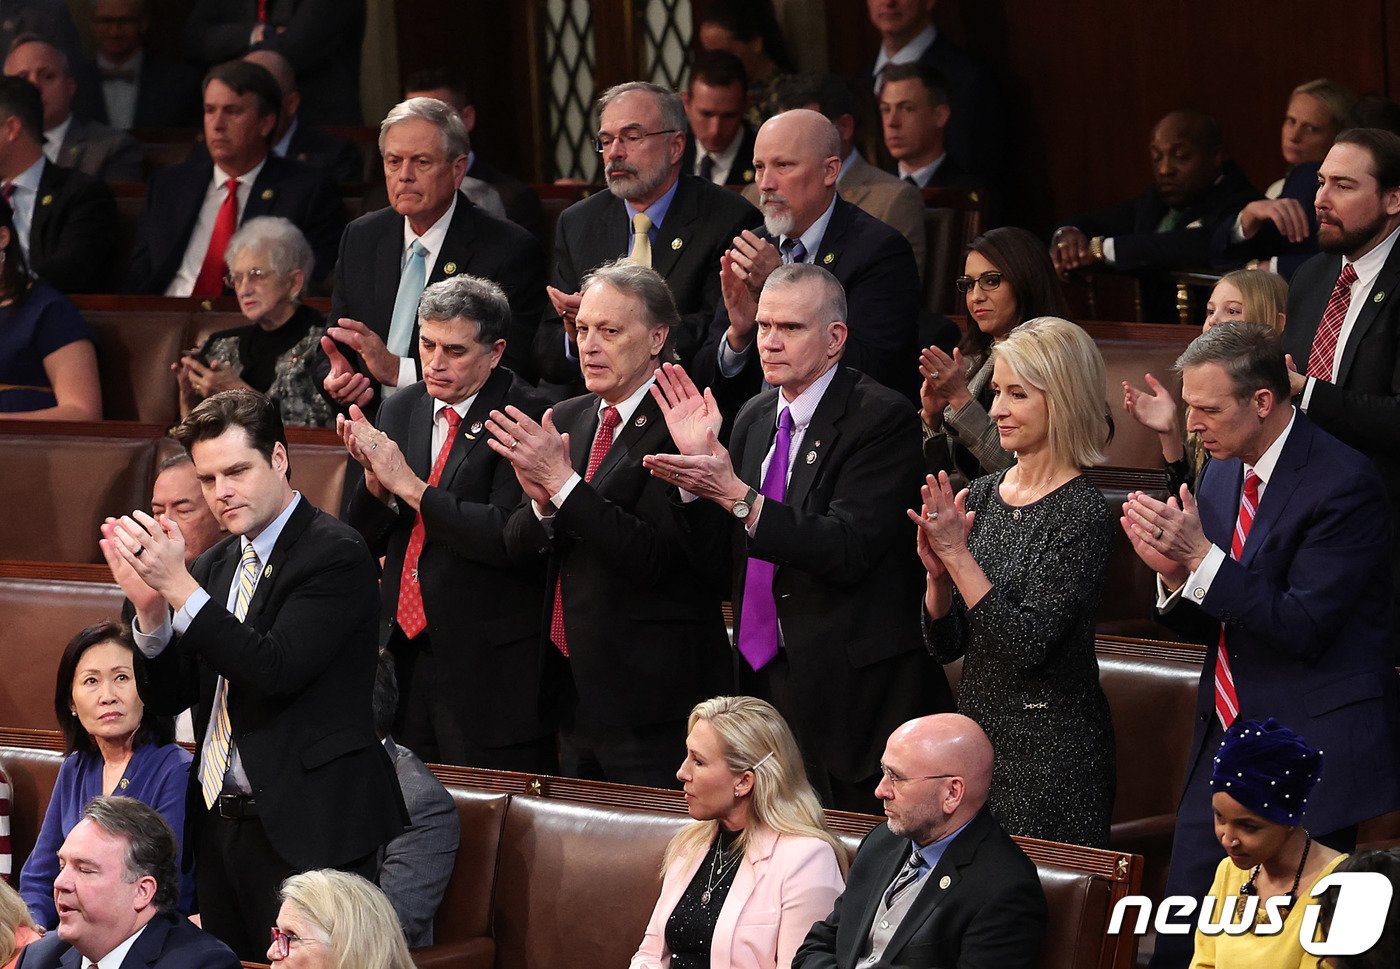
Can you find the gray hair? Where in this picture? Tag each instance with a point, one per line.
(1250, 353)
(441, 115)
(833, 297)
(151, 847)
(275, 239)
(471, 298)
(668, 101)
(643, 282)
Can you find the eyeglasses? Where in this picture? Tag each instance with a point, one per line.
(987, 282)
(895, 780)
(282, 942)
(254, 276)
(630, 138)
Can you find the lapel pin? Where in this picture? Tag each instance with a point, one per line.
(828, 259)
(944, 882)
(811, 457)
(267, 572)
(748, 174)
(1378, 298)
(676, 243)
(450, 268)
(126, 782)
(267, 195)
(641, 421)
(476, 427)
(46, 200)
(816, 444)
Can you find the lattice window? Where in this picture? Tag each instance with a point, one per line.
(665, 40)
(570, 69)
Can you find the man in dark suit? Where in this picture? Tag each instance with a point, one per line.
(70, 140)
(1347, 373)
(455, 612)
(117, 892)
(273, 634)
(979, 133)
(521, 204)
(1169, 226)
(915, 112)
(715, 100)
(797, 160)
(1281, 564)
(139, 89)
(688, 221)
(429, 232)
(322, 39)
(819, 561)
(939, 883)
(193, 208)
(66, 221)
(633, 617)
(339, 159)
(1280, 233)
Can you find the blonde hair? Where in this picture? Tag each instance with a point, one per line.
(13, 914)
(1338, 99)
(1060, 360)
(360, 927)
(757, 739)
(1264, 294)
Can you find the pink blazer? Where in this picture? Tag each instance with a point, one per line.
(784, 884)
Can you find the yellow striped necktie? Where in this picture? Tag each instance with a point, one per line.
(218, 741)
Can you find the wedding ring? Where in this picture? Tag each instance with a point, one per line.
(374, 446)
(931, 516)
(513, 444)
(139, 550)
(934, 375)
(1159, 532)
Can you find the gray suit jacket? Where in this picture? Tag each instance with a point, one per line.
(94, 148)
(418, 863)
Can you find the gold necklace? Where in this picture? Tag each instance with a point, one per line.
(1016, 510)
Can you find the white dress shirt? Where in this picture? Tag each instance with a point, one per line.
(183, 282)
(625, 410)
(118, 95)
(432, 241)
(26, 193)
(724, 160)
(921, 176)
(53, 138)
(907, 54)
(114, 959)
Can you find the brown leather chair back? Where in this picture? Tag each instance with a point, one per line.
(135, 350)
(32, 774)
(465, 912)
(41, 616)
(1130, 350)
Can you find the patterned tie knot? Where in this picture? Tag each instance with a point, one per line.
(1251, 487)
(793, 251)
(611, 416)
(1348, 275)
(453, 418)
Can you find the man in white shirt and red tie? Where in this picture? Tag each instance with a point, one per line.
(1281, 565)
(1343, 330)
(456, 613)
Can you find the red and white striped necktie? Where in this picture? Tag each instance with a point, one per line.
(1227, 701)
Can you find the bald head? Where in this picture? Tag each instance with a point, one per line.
(1187, 156)
(796, 159)
(937, 772)
(281, 70)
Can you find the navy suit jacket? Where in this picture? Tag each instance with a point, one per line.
(286, 188)
(74, 233)
(1307, 614)
(168, 942)
(482, 611)
(990, 915)
(875, 265)
(371, 259)
(1301, 186)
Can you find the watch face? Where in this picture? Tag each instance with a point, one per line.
(740, 510)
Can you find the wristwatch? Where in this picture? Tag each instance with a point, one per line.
(1096, 248)
(742, 508)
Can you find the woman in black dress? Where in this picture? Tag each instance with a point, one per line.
(1015, 573)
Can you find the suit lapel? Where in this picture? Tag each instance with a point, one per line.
(1220, 500)
(148, 947)
(819, 438)
(491, 397)
(828, 254)
(263, 192)
(756, 861)
(898, 854)
(419, 449)
(760, 439)
(673, 234)
(1382, 291)
(70, 959)
(581, 436)
(1286, 477)
(272, 568)
(644, 421)
(611, 233)
(457, 249)
(941, 882)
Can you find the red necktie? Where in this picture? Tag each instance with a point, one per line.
(410, 617)
(262, 11)
(211, 273)
(1227, 701)
(602, 441)
(1324, 347)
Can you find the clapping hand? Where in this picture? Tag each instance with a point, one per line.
(690, 415)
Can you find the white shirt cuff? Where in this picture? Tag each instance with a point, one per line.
(557, 500)
(1197, 584)
(408, 374)
(1237, 233)
(1307, 393)
(186, 613)
(152, 643)
(1109, 251)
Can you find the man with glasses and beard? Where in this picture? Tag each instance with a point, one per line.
(679, 225)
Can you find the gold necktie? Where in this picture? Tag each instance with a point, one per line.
(218, 740)
(641, 235)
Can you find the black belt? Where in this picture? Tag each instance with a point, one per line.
(235, 807)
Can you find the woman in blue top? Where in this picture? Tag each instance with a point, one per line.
(115, 746)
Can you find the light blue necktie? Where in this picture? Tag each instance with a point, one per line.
(415, 273)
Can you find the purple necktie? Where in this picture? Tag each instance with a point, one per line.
(758, 620)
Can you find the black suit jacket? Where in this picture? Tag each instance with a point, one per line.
(339, 159)
(991, 914)
(300, 670)
(741, 172)
(74, 232)
(168, 942)
(522, 204)
(699, 226)
(483, 611)
(286, 188)
(371, 256)
(642, 616)
(168, 95)
(875, 266)
(846, 571)
(1299, 185)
